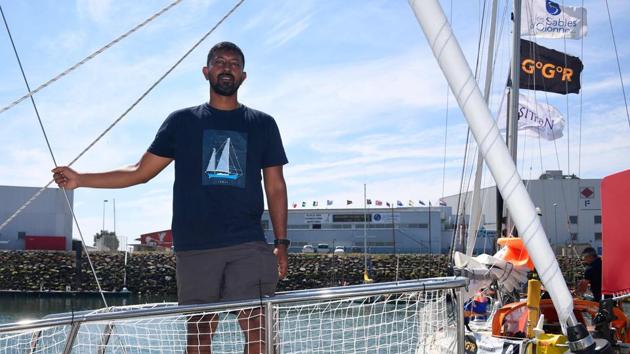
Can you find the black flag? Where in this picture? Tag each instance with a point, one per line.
(548, 70)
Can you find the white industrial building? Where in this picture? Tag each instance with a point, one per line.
(44, 224)
(383, 230)
(570, 208)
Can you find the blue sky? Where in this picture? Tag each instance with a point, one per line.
(352, 84)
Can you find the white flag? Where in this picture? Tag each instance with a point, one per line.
(548, 19)
(534, 119)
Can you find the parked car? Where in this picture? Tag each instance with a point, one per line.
(308, 249)
(323, 248)
(339, 249)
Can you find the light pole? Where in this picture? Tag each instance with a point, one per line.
(555, 221)
(114, 205)
(430, 249)
(104, 201)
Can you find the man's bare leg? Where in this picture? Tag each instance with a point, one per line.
(252, 323)
(200, 329)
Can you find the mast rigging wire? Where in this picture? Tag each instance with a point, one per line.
(557, 156)
(52, 155)
(581, 100)
(461, 207)
(493, 51)
(566, 98)
(448, 93)
(612, 33)
(90, 57)
(135, 103)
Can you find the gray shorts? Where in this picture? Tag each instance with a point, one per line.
(240, 272)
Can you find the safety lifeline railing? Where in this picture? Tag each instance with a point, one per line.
(412, 316)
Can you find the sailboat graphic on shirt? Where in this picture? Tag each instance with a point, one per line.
(227, 167)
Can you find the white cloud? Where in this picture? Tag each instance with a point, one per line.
(280, 22)
(69, 41)
(381, 161)
(98, 11)
(287, 31)
(310, 102)
(605, 84)
(199, 5)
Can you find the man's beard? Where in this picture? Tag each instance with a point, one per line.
(225, 88)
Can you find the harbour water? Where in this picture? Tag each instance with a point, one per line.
(30, 306)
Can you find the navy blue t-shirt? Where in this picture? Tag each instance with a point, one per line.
(593, 273)
(217, 194)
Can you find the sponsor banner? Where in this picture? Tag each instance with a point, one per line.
(385, 218)
(548, 70)
(534, 119)
(548, 19)
(316, 218)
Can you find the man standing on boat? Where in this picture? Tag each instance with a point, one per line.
(220, 149)
(592, 273)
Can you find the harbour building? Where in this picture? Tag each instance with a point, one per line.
(569, 208)
(375, 230)
(45, 224)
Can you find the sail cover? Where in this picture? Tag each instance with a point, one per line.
(615, 241)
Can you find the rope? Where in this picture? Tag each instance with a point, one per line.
(448, 92)
(461, 205)
(612, 33)
(52, 155)
(581, 106)
(564, 197)
(89, 57)
(20, 209)
(566, 98)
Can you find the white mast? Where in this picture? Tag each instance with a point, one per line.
(475, 206)
(462, 83)
(515, 71)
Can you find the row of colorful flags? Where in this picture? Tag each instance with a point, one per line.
(369, 202)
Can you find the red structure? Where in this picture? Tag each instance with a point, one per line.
(615, 241)
(157, 239)
(54, 243)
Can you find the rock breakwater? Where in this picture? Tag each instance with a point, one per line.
(154, 273)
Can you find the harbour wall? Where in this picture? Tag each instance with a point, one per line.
(154, 273)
